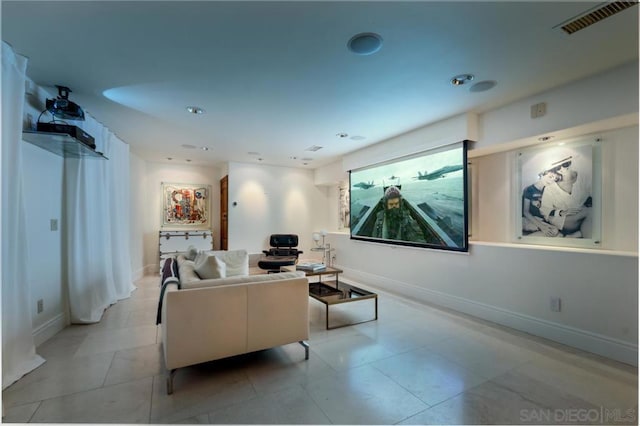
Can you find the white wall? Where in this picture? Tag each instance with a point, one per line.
(593, 99)
(43, 202)
(43, 189)
(509, 283)
(273, 200)
(148, 189)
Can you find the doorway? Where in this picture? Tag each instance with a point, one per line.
(224, 210)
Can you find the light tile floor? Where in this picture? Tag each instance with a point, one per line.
(416, 365)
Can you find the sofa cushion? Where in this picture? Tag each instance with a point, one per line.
(191, 253)
(242, 280)
(237, 261)
(209, 267)
(186, 271)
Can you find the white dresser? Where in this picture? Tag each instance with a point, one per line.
(172, 242)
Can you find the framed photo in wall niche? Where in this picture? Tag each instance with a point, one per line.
(185, 205)
(343, 206)
(558, 194)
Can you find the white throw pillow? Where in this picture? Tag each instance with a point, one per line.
(192, 252)
(186, 272)
(237, 262)
(211, 267)
(200, 256)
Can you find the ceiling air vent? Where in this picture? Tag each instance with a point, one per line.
(596, 15)
(313, 148)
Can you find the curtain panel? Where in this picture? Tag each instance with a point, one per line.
(97, 223)
(18, 348)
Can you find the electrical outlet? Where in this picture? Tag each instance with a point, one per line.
(538, 110)
(53, 224)
(40, 306)
(555, 304)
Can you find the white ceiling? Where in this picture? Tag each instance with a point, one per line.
(277, 77)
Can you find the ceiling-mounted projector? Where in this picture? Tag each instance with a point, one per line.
(62, 107)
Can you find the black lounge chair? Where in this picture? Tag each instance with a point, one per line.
(283, 252)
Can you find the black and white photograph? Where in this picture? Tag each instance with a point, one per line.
(558, 195)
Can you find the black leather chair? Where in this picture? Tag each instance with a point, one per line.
(283, 252)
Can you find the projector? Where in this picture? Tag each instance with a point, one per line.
(62, 107)
(70, 130)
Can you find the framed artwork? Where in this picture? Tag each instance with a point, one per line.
(557, 194)
(419, 200)
(343, 209)
(185, 204)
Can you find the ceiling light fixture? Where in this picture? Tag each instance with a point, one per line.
(545, 138)
(483, 86)
(365, 43)
(342, 135)
(461, 79)
(195, 110)
(204, 148)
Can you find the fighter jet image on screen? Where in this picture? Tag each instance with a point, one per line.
(364, 185)
(438, 173)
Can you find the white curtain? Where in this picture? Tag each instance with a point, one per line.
(97, 222)
(18, 349)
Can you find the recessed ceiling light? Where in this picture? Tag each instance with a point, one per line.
(461, 79)
(204, 148)
(357, 138)
(483, 86)
(186, 145)
(545, 138)
(195, 110)
(342, 135)
(365, 43)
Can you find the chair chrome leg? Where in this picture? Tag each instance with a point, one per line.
(306, 348)
(170, 375)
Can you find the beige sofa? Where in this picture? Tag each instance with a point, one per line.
(209, 319)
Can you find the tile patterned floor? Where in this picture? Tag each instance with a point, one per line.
(415, 365)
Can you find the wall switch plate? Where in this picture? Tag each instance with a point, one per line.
(40, 306)
(53, 224)
(556, 304)
(538, 110)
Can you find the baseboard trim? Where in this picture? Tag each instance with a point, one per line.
(49, 329)
(139, 274)
(591, 342)
(152, 269)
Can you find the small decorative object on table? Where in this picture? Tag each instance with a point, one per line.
(310, 266)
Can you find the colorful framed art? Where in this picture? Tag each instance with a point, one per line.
(185, 205)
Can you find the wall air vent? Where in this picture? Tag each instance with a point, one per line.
(595, 15)
(313, 148)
